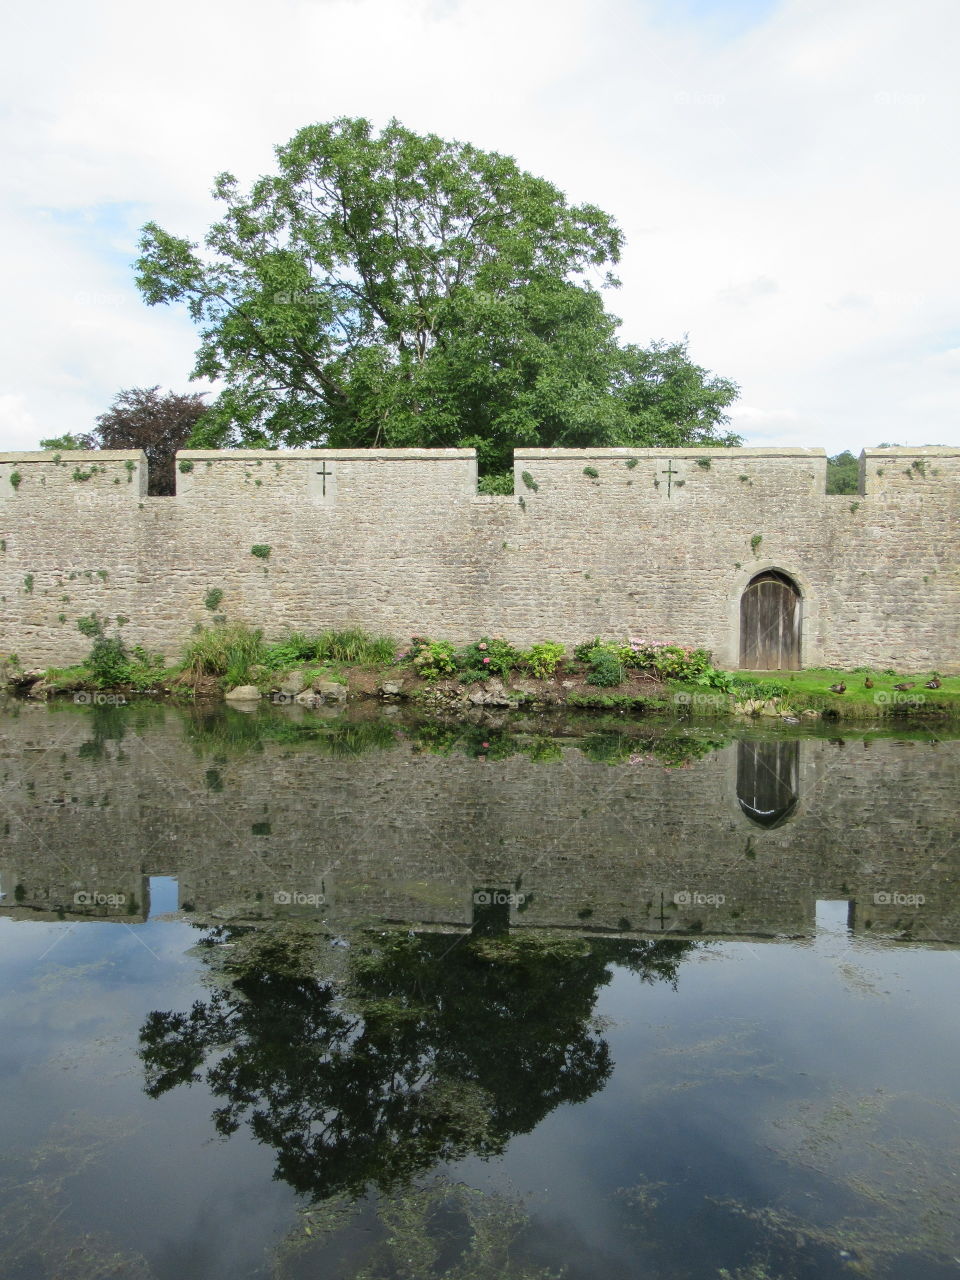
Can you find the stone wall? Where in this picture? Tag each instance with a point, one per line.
(655, 543)
(98, 803)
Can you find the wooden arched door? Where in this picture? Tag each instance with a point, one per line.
(770, 619)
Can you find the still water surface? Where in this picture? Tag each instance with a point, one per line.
(287, 996)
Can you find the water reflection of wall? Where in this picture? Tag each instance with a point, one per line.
(405, 835)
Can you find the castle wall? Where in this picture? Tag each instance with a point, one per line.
(657, 543)
(98, 803)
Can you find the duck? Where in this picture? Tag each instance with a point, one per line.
(838, 688)
(868, 683)
(933, 684)
(903, 686)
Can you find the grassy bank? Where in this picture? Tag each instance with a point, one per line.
(490, 672)
(868, 694)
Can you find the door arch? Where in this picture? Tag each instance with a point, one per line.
(771, 611)
(768, 779)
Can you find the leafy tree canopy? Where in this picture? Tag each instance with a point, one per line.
(142, 418)
(402, 290)
(843, 472)
(425, 1050)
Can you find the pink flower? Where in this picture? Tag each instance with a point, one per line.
(486, 659)
(482, 646)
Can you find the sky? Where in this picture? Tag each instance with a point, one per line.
(784, 172)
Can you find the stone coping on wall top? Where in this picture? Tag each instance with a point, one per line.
(334, 455)
(914, 451)
(545, 455)
(75, 455)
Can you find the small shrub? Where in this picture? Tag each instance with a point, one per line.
(131, 466)
(15, 479)
(212, 599)
(500, 483)
(606, 669)
(582, 651)
(107, 661)
(144, 669)
(543, 659)
(669, 661)
(186, 466)
(433, 659)
(83, 475)
(352, 645)
(592, 472)
(529, 481)
(355, 645)
(755, 542)
(90, 626)
(286, 654)
(631, 463)
(225, 651)
(260, 550)
(488, 657)
(28, 583)
(704, 463)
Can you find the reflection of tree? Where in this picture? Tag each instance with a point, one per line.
(431, 1228)
(428, 1048)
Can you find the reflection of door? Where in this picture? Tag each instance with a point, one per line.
(770, 624)
(768, 780)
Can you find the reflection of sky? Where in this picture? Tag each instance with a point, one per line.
(704, 1075)
(72, 1002)
(164, 895)
(701, 1073)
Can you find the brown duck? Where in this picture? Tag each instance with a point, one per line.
(933, 684)
(838, 688)
(902, 687)
(868, 683)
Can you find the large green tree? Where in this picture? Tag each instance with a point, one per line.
(394, 289)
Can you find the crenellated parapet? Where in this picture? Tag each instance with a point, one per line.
(660, 543)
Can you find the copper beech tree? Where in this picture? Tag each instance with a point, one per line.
(142, 418)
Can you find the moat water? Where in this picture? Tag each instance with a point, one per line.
(297, 996)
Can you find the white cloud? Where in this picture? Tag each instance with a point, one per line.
(786, 187)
